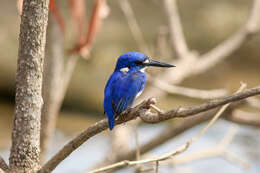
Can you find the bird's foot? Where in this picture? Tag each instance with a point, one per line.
(156, 109)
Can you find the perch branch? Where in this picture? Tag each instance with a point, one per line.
(168, 155)
(3, 165)
(141, 110)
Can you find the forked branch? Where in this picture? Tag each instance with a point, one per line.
(141, 110)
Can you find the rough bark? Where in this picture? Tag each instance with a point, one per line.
(25, 148)
(142, 111)
(52, 81)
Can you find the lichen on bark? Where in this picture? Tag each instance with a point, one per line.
(25, 148)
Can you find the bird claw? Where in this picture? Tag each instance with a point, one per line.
(156, 109)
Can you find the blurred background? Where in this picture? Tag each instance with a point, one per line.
(205, 24)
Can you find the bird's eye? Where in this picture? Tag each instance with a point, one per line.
(139, 62)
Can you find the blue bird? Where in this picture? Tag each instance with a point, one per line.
(126, 83)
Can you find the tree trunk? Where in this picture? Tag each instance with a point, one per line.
(25, 149)
(52, 84)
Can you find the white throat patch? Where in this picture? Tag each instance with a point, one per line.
(125, 70)
(143, 69)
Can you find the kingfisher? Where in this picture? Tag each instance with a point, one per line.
(126, 83)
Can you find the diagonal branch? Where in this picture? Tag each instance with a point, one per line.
(189, 92)
(133, 25)
(177, 38)
(141, 110)
(193, 66)
(170, 154)
(3, 165)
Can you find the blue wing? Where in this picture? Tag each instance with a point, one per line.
(121, 91)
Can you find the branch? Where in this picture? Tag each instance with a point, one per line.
(243, 117)
(133, 25)
(168, 155)
(25, 150)
(224, 49)
(178, 127)
(189, 92)
(52, 85)
(141, 110)
(220, 150)
(177, 38)
(193, 65)
(3, 166)
(184, 112)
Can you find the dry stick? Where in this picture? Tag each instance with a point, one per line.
(142, 111)
(236, 160)
(219, 150)
(194, 66)
(138, 155)
(3, 165)
(189, 92)
(254, 102)
(177, 38)
(157, 167)
(245, 118)
(133, 25)
(168, 155)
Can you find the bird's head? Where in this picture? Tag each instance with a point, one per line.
(138, 61)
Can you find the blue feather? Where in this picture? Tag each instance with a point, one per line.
(121, 91)
(126, 82)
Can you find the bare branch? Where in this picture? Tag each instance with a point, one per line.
(3, 166)
(141, 110)
(236, 160)
(243, 117)
(183, 112)
(168, 155)
(189, 92)
(233, 43)
(192, 66)
(133, 25)
(254, 102)
(178, 127)
(219, 150)
(52, 76)
(178, 42)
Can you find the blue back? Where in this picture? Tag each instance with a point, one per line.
(122, 87)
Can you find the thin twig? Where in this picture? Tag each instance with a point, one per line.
(133, 25)
(141, 110)
(234, 159)
(189, 92)
(138, 155)
(245, 118)
(211, 152)
(254, 102)
(157, 167)
(177, 38)
(219, 150)
(168, 155)
(193, 65)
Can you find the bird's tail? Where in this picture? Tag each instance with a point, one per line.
(111, 123)
(111, 120)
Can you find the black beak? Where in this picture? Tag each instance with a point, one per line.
(150, 62)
